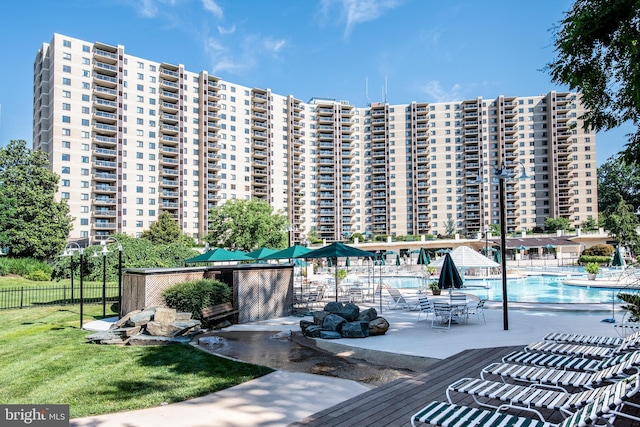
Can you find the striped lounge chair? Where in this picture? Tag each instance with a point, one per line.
(441, 414)
(559, 378)
(571, 363)
(581, 350)
(632, 341)
(533, 398)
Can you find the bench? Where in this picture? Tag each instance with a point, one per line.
(217, 312)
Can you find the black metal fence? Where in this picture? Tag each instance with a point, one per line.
(59, 295)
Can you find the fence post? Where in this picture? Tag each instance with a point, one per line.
(64, 295)
(21, 296)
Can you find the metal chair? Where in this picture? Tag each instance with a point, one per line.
(442, 314)
(477, 310)
(425, 306)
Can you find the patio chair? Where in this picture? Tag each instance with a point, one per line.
(441, 414)
(425, 306)
(316, 297)
(443, 314)
(570, 363)
(531, 397)
(356, 295)
(477, 310)
(558, 377)
(398, 300)
(632, 340)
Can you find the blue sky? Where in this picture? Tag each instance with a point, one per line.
(420, 50)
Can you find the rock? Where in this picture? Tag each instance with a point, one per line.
(141, 318)
(152, 340)
(330, 335)
(333, 322)
(313, 331)
(333, 307)
(105, 337)
(162, 329)
(128, 332)
(124, 319)
(378, 326)
(183, 315)
(349, 311)
(304, 324)
(164, 315)
(318, 317)
(368, 315)
(355, 330)
(210, 342)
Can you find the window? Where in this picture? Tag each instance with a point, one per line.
(66, 81)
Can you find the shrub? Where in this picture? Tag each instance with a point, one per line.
(23, 266)
(597, 259)
(193, 296)
(592, 268)
(601, 249)
(633, 305)
(38, 276)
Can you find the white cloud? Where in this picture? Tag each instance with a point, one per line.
(274, 45)
(358, 11)
(148, 8)
(438, 94)
(229, 30)
(212, 6)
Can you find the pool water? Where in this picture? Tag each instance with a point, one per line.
(535, 289)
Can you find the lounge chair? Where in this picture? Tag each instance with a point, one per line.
(588, 351)
(532, 397)
(558, 377)
(398, 300)
(631, 340)
(443, 414)
(571, 363)
(425, 306)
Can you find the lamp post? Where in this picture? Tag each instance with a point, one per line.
(104, 253)
(501, 174)
(290, 229)
(486, 241)
(69, 251)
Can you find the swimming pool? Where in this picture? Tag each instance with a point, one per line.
(534, 289)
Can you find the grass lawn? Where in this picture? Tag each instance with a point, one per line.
(45, 360)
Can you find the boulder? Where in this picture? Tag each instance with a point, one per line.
(141, 339)
(124, 319)
(162, 329)
(333, 307)
(313, 331)
(164, 315)
(378, 326)
(304, 324)
(141, 318)
(368, 315)
(330, 335)
(349, 311)
(183, 315)
(355, 330)
(318, 317)
(333, 322)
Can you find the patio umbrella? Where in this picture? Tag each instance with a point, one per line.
(261, 253)
(295, 251)
(397, 260)
(422, 257)
(497, 256)
(449, 276)
(617, 260)
(337, 250)
(219, 254)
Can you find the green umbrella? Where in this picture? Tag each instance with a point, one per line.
(497, 256)
(295, 251)
(449, 275)
(347, 262)
(397, 259)
(617, 260)
(330, 262)
(261, 253)
(219, 254)
(423, 257)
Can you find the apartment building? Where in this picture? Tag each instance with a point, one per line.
(131, 138)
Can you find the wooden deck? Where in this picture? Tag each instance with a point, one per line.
(393, 404)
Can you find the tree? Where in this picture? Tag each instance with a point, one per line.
(32, 222)
(551, 225)
(247, 225)
(589, 224)
(166, 230)
(618, 180)
(622, 222)
(450, 227)
(598, 54)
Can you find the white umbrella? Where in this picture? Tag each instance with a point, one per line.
(465, 257)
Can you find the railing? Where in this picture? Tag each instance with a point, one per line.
(25, 297)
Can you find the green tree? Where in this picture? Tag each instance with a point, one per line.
(622, 222)
(166, 230)
(618, 180)
(551, 225)
(247, 225)
(450, 227)
(589, 224)
(598, 54)
(32, 222)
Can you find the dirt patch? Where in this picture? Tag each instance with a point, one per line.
(296, 353)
